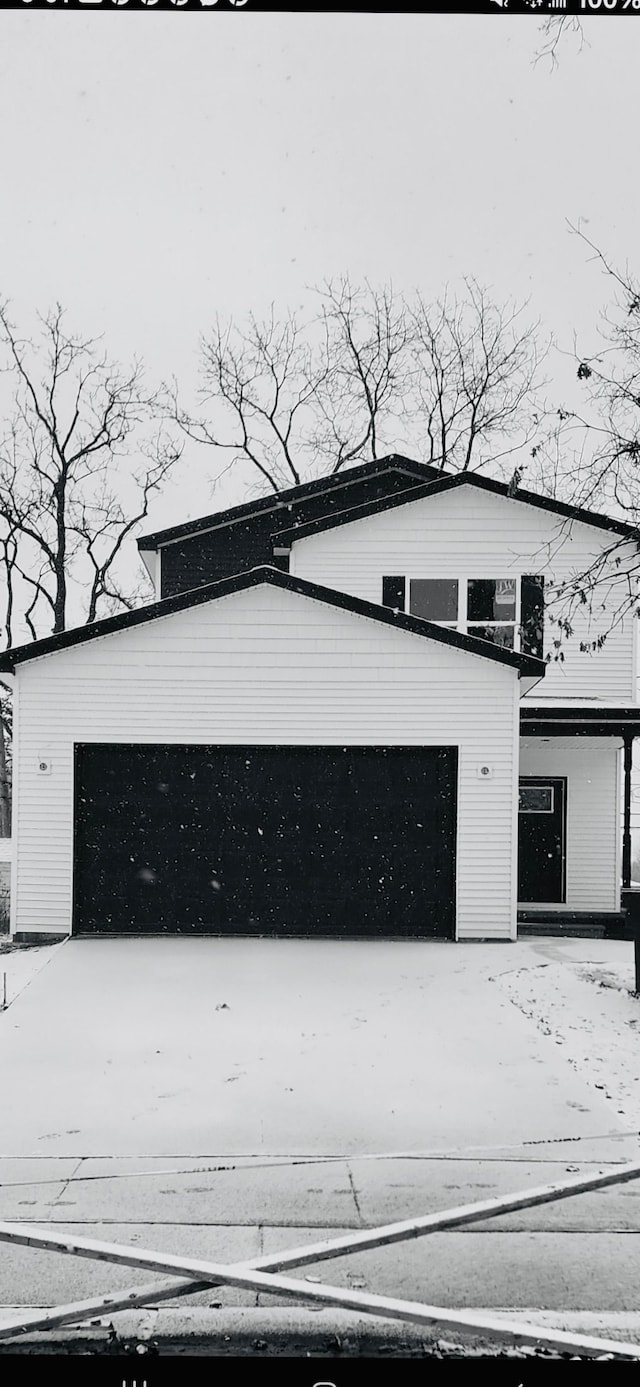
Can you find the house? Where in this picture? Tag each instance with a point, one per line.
(344, 714)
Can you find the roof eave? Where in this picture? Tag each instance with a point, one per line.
(525, 664)
(244, 511)
(451, 482)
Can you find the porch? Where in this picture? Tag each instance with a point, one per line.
(574, 865)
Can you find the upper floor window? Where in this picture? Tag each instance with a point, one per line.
(435, 599)
(491, 610)
(507, 611)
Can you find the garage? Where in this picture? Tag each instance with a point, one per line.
(266, 757)
(265, 840)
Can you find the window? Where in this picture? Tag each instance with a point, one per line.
(491, 599)
(535, 799)
(504, 636)
(491, 610)
(507, 611)
(434, 599)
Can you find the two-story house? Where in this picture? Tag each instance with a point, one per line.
(338, 718)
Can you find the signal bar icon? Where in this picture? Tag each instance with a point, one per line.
(557, 4)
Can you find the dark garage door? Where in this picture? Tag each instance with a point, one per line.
(337, 841)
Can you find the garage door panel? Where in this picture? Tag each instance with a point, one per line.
(265, 840)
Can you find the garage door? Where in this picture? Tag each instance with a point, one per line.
(337, 841)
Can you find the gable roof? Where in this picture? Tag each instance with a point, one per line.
(281, 500)
(451, 483)
(196, 597)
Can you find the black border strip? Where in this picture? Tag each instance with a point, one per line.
(196, 597)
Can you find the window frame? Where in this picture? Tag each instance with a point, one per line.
(451, 623)
(462, 624)
(525, 784)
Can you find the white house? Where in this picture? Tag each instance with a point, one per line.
(343, 715)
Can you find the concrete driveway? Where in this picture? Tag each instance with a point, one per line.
(166, 1046)
(127, 1066)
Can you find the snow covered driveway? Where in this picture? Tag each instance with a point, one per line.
(579, 992)
(154, 1046)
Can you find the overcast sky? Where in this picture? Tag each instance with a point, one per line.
(158, 168)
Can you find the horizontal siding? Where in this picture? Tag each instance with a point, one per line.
(316, 676)
(470, 533)
(593, 814)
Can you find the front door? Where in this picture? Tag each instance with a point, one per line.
(541, 840)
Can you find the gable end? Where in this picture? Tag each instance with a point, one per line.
(527, 665)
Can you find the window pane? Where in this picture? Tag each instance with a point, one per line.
(499, 635)
(535, 799)
(491, 599)
(434, 599)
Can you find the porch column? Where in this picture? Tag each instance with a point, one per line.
(626, 832)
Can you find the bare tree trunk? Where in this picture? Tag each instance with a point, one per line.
(5, 789)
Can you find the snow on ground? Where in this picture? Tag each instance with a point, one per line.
(580, 992)
(21, 964)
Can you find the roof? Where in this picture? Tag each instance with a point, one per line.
(574, 710)
(281, 500)
(451, 483)
(574, 717)
(196, 597)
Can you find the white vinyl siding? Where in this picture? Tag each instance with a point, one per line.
(266, 666)
(591, 766)
(470, 533)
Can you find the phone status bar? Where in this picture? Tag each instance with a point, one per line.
(541, 8)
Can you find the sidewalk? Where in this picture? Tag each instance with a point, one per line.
(534, 1261)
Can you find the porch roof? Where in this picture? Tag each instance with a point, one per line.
(586, 717)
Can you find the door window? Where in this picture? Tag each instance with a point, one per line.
(535, 799)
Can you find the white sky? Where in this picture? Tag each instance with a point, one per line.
(158, 168)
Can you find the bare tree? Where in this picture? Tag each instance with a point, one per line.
(477, 378)
(591, 456)
(8, 561)
(600, 440)
(292, 399)
(369, 373)
(611, 379)
(259, 382)
(70, 491)
(71, 488)
(367, 340)
(555, 31)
